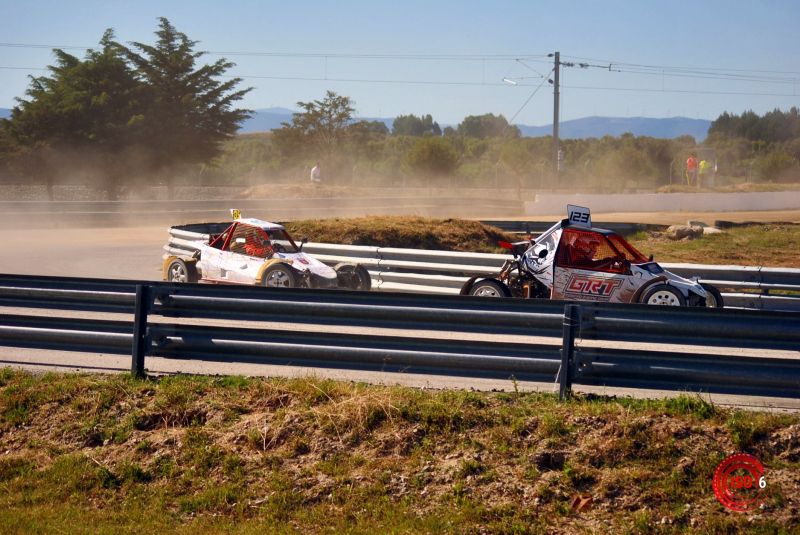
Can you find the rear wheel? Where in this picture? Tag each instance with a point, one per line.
(354, 277)
(279, 276)
(488, 288)
(181, 271)
(714, 298)
(665, 295)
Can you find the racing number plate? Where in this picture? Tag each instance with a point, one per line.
(579, 216)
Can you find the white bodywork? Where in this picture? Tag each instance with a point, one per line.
(234, 268)
(229, 267)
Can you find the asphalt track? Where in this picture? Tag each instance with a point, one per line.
(135, 253)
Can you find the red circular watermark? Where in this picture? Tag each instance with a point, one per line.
(739, 482)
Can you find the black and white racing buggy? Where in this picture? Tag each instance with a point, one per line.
(255, 252)
(575, 261)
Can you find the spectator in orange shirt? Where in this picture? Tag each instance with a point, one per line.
(691, 169)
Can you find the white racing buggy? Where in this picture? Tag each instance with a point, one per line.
(575, 261)
(255, 252)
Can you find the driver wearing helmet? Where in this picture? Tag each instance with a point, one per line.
(258, 245)
(584, 255)
(584, 249)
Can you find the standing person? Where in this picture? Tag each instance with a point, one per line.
(691, 169)
(705, 168)
(316, 174)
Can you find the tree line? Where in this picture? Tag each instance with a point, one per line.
(768, 146)
(486, 150)
(123, 116)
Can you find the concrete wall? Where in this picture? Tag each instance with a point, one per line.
(548, 204)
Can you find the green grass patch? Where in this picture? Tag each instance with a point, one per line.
(773, 244)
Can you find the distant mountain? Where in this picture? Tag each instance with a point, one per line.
(267, 119)
(270, 118)
(616, 126)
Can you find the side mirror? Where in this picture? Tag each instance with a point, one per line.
(651, 258)
(303, 241)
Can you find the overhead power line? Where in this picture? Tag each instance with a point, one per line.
(674, 67)
(686, 91)
(524, 60)
(25, 68)
(710, 76)
(612, 65)
(544, 79)
(711, 73)
(475, 84)
(29, 45)
(322, 55)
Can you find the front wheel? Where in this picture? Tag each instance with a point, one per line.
(665, 295)
(279, 276)
(714, 298)
(181, 271)
(488, 288)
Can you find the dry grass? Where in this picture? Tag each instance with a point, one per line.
(772, 244)
(188, 454)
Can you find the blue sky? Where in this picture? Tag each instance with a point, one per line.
(700, 58)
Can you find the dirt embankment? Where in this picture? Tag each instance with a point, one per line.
(229, 454)
(404, 232)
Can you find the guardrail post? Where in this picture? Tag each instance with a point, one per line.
(140, 341)
(565, 372)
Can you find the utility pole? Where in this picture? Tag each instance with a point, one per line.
(556, 69)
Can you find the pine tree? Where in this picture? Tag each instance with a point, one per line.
(188, 112)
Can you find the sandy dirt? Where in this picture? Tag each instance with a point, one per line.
(125, 253)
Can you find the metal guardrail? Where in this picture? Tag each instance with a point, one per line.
(444, 272)
(412, 351)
